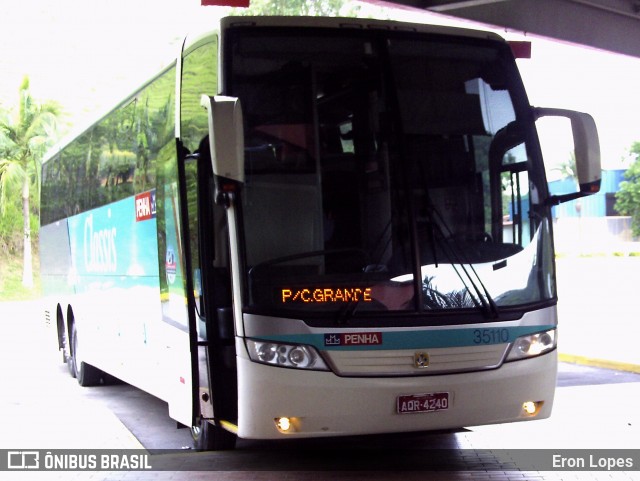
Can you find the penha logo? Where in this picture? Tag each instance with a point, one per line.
(146, 206)
(353, 339)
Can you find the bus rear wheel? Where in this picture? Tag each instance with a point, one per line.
(85, 374)
(209, 437)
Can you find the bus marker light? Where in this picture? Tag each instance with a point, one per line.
(531, 408)
(232, 428)
(283, 424)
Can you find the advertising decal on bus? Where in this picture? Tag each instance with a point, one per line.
(146, 206)
(104, 243)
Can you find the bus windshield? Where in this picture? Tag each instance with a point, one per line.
(378, 177)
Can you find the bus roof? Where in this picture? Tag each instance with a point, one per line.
(337, 23)
(354, 23)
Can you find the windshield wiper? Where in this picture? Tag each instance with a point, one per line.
(482, 298)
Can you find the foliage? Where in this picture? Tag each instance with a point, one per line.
(434, 299)
(319, 8)
(568, 168)
(25, 134)
(114, 158)
(628, 197)
(10, 229)
(11, 288)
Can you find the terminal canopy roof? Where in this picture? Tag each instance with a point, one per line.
(612, 25)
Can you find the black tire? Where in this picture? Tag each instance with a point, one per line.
(208, 437)
(85, 374)
(71, 365)
(63, 344)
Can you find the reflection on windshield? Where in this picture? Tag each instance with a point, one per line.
(509, 281)
(374, 159)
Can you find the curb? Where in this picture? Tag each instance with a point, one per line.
(601, 363)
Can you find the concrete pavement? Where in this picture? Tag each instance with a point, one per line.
(598, 311)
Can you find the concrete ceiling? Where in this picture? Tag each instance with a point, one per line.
(612, 25)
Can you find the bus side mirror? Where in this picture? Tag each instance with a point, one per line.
(226, 140)
(587, 151)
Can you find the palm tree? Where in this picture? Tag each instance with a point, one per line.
(24, 137)
(434, 299)
(567, 168)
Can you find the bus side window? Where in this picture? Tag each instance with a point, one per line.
(199, 76)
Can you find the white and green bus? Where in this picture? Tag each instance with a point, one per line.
(315, 227)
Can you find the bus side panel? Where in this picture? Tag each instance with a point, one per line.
(55, 269)
(117, 306)
(104, 264)
(55, 259)
(174, 314)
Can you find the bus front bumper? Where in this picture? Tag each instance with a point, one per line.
(322, 404)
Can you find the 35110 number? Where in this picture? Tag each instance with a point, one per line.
(490, 336)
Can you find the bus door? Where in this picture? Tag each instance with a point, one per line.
(211, 325)
(212, 337)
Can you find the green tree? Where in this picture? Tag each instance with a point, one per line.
(318, 8)
(628, 197)
(568, 168)
(25, 134)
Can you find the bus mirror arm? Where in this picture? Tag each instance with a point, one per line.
(587, 152)
(554, 200)
(224, 191)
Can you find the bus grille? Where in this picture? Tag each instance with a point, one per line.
(403, 362)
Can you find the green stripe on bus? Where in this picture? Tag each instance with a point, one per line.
(426, 339)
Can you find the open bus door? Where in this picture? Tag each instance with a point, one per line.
(212, 313)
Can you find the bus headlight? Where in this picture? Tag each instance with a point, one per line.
(285, 355)
(532, 345)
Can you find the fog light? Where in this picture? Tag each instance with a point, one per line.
(531, 408)
(283, 424)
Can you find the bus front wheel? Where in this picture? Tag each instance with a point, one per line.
(209, 437)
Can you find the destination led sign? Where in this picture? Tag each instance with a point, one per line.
(326, 295)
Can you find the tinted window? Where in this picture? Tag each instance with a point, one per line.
(115, 158)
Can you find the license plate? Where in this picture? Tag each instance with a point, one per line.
(422, 403)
